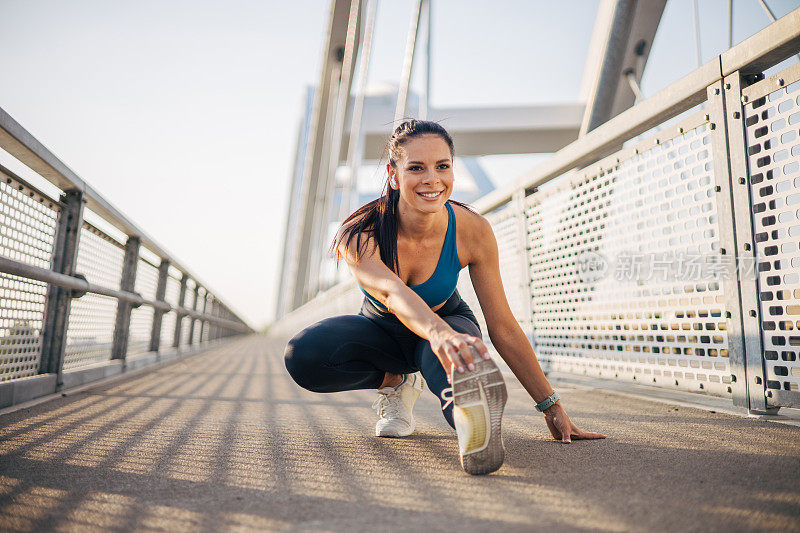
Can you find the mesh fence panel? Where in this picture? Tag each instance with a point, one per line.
(507, 225)
(626, 270)
(92, 317)
(27, 231)
(169, 319)
(186, 325)
(772, 123)
(196, 333)
(22, 306)
(142, 317)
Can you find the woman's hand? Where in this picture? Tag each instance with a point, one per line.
(453, 350)
(562, 428)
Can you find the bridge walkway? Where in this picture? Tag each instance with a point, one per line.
(226, 441)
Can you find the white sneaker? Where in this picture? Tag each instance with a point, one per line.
(394, 406)
(479, 397)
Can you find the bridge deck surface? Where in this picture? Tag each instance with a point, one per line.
(226, 441)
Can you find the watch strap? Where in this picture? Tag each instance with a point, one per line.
(548, 402)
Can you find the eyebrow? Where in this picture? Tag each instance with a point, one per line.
(421, 163)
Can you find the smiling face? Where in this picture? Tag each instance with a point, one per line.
(424, 173)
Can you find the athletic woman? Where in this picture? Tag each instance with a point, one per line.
(405, 250)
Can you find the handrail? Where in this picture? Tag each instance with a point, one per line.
(21, 144)
(81, 285)
(760, 51)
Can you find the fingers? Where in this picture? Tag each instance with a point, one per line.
(462, 351)
(589, 435)
(465, 353)
(472, 348)
(480, 347)
(455, 359)
(553, 429)
(566, 433)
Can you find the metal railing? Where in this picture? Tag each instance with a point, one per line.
(672, 259)
(82, 288)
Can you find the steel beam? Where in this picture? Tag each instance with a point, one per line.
(315, 164)
(341, 83)
(59, 299)
(778, 41)
(425, 97)
(623, 36)
(480, 131)
(130, 262)
(355, 141)
(408, 63)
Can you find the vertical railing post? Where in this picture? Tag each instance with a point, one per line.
(744, 248)
(193, 320)
(203, 321)
(64, 258)
(737, 382)
(214, 331)
(522, 236)
(158, 314)
(130, 262)
(176, 341)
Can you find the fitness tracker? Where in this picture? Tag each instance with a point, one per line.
(548, 402)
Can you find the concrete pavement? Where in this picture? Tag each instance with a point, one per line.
(226, 441)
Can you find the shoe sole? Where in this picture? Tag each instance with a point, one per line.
(393, 433)
(466, 390)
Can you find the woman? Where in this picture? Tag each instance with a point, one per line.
(405, 250)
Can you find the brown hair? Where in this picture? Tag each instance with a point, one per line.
(379, 217)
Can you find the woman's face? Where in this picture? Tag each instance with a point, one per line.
(424, 174)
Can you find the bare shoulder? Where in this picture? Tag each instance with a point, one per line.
(474, 233)
(367, 245)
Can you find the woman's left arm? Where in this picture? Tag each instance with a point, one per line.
(507, 336)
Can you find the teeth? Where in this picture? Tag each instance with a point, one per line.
(430, 195)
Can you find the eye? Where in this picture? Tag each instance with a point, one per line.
(414, 168)
(444, 166)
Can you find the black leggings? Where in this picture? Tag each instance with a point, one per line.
(350, 352)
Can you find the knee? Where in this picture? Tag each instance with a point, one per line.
(299, 360)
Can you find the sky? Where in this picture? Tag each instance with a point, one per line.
(184, 114)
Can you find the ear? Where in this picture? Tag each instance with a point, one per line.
(390, 170)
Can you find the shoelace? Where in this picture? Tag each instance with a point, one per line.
(387, 404)
(448, 399)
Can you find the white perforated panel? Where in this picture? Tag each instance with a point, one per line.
(169, 319)
(772, 118)
(27, 231)
(92, 318)
(142, 317)
(507, 225)
(625, 266)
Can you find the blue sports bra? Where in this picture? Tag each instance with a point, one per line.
(442, 283)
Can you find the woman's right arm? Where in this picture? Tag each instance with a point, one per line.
(450, 346)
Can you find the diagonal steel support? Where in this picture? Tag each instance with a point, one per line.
(315, 173)
(408, 63)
